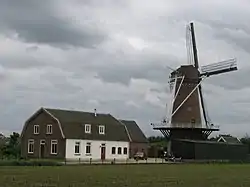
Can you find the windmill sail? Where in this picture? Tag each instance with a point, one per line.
(219, 67)
(189, 46)
(196, 64)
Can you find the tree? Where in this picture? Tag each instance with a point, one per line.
(246, 140)
(11, 147)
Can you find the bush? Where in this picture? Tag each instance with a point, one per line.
(29, 163)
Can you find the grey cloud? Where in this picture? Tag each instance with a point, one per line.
(20, 62)
(144, 67)
(154, 114)
(66, 85)
(40, 22)
(235, 34)
(32, 49)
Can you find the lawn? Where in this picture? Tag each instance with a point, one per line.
(187, 175)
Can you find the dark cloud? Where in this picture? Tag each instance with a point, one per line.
(143, 66)
(41, 22)
(106, 42)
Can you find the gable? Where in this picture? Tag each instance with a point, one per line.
(42, 116)
(229, 139)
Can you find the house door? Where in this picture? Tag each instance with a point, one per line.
(42, 148)
(103, 151)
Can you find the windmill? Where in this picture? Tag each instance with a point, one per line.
(187, 116)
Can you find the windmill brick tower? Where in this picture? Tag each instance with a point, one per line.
(187, 117)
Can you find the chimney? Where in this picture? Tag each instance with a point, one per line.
(95, 113)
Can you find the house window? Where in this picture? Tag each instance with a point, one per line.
(49, 129)
(53, 146)
(31, 146)
(87, 128)
(119, 150)
(113, 150)
(101, 129)
(125, 150)
(77, 148)
(88, 148)
(36, 129)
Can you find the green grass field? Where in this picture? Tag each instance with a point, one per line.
(187, 175)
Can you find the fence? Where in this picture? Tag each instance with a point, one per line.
(115, 161)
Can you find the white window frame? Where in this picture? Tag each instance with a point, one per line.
(53, 142)
(101, 129)
(88, 144)
(36, 129)
(42, 142)
(86, 126)
(49, 129)
(78, 143)
(32, 142)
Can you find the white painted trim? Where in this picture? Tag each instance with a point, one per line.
(37, 112)
(55, 142)
(188, 96)
(79, 145)
(129, 137)
(85, 128)
(96, 146)
(170, 107)
(221, 138)
(178, 88)
(42, 142)
(31, 141)
(49, 125)
(88, 144)
(59, 124)
(25, 124)
(101, 127)
(34, 128)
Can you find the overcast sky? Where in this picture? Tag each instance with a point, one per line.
(112, 55)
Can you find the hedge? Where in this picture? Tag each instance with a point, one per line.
(29, 163)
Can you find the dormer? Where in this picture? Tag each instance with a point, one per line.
(87, 128)
(101, 129)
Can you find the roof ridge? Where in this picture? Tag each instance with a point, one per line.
(129, 120)
(74, 110)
